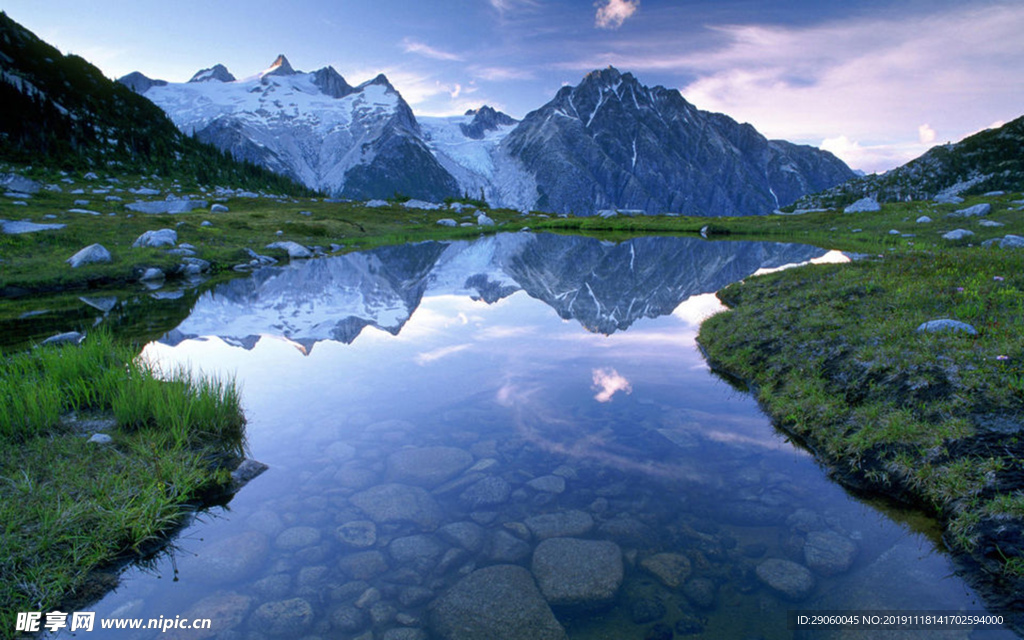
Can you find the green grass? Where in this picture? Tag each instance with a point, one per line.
(68, 506)
(836, 357)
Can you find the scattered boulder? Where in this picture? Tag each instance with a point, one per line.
(578, 573)
(422, 204)
(20, 184)
(484, 220)
(447, 222)
(87, 212)
(957, 234)
(1012, 242)
(219, 208)
(294, 249)
(68, 337)
(990, 223)
(375, 204)
(982, 209)
(166, 206)
(863, 205)
(427, 466)
(945, 324)
(93, 254)
(791, 580)
(283, 617)
(155, 239)
(16, 227)
(152, 274)
(495, 603)
(828, 553)
(924, 220)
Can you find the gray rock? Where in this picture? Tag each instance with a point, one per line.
(422, 204)
(505, 547)
(427, 466)
(957, 234)
(100, 438)
(294, 249)
(16, 227)
(194, 266)
(791, 580)
(563, 524)
(982, 209)
(468, 535)
(671, 568)
(231, 559)
(363, 565)
(93, 254)
(490, 491)
(21, 184)
(68, 337)
(578, 573)
(359, 534)
(990, 223)
(297, 538)
(828, 553)
(152, 274)
(87, 212)
(166, 206)
(700, 592)
(447, 222)
(644, 610)
(863, 205)
(374, 204)
(144, 191)
(219, 208)
(625, 529)
(495, 603)
(484, 220)
(283, 617)
(1012, 242)
(405, 633)
(924, 220)
(894, 232)
(348, 619)
(245, 472)
(81, 203)
(409, 549)
(548, 484)
(155, 239)
(945, 324)
(396, 503)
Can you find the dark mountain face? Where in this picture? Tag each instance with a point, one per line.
(217, 72)
(987, 161)
(485, 119)
(612, 142)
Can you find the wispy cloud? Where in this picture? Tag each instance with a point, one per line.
(436, 354)
(612, 13)
(501, 73)
(505, 6)
(409, 45)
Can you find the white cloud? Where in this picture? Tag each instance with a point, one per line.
(608, 382)
(926, 134)
(501, 73)
(612, 13)
(441, 352)
(410, 45)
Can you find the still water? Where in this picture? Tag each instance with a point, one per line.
(434, 413)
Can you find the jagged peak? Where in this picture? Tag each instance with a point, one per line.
(280, 67)
(381, 80)
(139, 82)
(331, 83)
(217, 72)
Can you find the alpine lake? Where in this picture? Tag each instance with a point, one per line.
(506, 437)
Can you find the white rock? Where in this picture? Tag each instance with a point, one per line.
(422, 204)
(374, 204)
(294, 249)
(924, 219)
(160, 238)
(219, 208)
(863, 205)
(945, 324)
(447, 222)
(93, 254)
(957, 234)
(484, 220)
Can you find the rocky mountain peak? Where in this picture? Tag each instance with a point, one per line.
(331, 83)
(381, 80)
(280, 67)
(217, 72)
(485, 119)
(139, 82)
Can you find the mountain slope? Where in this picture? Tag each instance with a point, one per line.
(987, 161)
(612, 142)
(61, 111)
(361, 142)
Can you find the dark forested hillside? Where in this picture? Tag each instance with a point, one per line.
(62, 112)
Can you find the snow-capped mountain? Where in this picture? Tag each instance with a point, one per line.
(609, 142)
(604, 286)
(358, 141)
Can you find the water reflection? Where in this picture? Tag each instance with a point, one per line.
(434, 414)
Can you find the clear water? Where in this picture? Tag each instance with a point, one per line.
(564, 366)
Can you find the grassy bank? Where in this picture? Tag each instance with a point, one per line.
(835, 356)
(68, 505)
(35, 262)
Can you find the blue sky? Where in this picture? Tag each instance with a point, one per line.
(875, 81)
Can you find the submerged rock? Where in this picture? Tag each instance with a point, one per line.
(791, 580)
(428, 466)
(829, 553)
(560, 525)
(395, 503)
(495, 603)
(283, 617)
(578, 573)
(671, 568)
(229, 560)
(490, 491)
